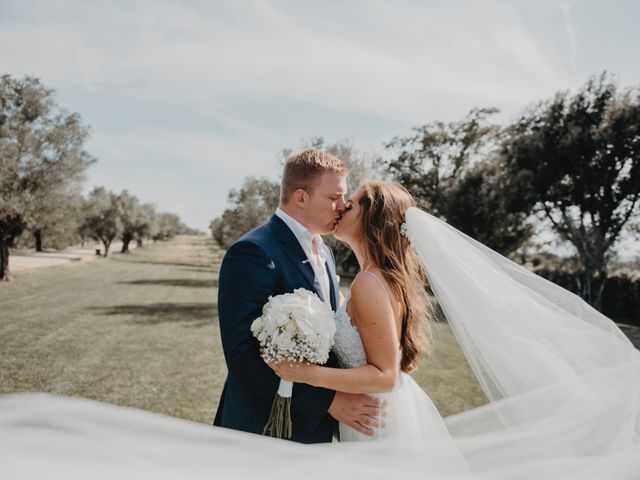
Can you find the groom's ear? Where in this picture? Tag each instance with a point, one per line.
(300, 198)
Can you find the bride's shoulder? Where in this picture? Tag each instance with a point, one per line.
(368, 291)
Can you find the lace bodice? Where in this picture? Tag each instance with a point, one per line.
(348, 345)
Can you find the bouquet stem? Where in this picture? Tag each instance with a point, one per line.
(279, 424)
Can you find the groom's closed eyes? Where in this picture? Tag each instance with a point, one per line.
(336, 196)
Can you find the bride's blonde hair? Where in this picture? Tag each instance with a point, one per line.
(383, 206)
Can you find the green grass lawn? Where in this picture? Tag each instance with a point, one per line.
(141, 330)
(137, 330)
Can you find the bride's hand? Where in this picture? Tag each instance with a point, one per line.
(297, 372)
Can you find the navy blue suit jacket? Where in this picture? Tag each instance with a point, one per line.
(266, 261)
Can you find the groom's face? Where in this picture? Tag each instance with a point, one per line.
(326, 203)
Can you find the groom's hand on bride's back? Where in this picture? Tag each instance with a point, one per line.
(361, 412)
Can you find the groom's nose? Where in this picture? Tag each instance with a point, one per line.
(340, 205)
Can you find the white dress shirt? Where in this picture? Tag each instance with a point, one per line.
(318, 263)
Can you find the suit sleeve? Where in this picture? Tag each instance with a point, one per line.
(247, 278)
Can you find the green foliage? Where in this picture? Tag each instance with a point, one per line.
(621, 296)
(147, 226)
(486, 204)
(250, 206)
(452, 171)
(103, 220)
(168, 225)
(55, 224)
(432, 160)
(42, 156)
(580, 157)
(109, 216)
(136, 219)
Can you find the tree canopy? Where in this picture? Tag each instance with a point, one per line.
(580, 157)
(42, 157)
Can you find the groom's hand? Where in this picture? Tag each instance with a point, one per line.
(360, 412)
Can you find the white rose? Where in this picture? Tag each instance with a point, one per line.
(291, 328)
(282, 319)
(256, 326)
(283, 342)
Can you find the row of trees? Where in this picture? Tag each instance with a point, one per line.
(570, 164)
(572, 161)
(42, 158)
(43, 162)
(108, 216)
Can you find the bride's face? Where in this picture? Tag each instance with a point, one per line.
(348, 228)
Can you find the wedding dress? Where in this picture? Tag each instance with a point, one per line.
(411, 413)
(562, 379)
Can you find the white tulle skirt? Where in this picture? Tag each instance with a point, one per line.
(411, 418)
(411, 415)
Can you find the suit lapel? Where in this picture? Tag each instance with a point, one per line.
(333, 294)
(294, 250)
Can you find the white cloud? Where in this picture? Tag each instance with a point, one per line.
(222, 86)
(157, 50)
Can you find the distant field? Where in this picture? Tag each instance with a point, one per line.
(137, 330)
(141, 330)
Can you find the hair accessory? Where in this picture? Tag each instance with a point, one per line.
(403, 230)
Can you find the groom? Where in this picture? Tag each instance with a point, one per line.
(284, 254)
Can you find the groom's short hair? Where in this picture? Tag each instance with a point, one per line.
(303, 169)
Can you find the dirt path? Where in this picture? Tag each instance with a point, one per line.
(23, 261)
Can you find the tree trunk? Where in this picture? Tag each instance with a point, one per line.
(591, 287)
(37, 234)
(125, 243)
(10, 227)
(597, 291)
(4, 261)
(107, 244)
(139, 243)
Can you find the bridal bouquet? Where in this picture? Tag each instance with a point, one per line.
(294, 326)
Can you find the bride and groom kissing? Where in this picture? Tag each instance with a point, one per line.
(561, 378)
(381, 325)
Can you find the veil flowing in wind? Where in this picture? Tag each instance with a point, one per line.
(562, 379)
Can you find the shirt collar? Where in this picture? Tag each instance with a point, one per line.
(304, 236)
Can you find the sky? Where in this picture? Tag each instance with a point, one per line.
(186, 98)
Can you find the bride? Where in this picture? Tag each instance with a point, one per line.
(382, 327)
(562, 379)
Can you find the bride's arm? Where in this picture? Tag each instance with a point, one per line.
(372, 313)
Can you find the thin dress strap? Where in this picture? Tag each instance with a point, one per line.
(381, 284)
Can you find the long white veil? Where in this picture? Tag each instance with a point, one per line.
(563, 380)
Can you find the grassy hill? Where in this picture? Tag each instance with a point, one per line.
(141, 330)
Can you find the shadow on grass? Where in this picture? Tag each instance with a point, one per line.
(188, 314)
(175, 264)
(176, 282)
(207, 270)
